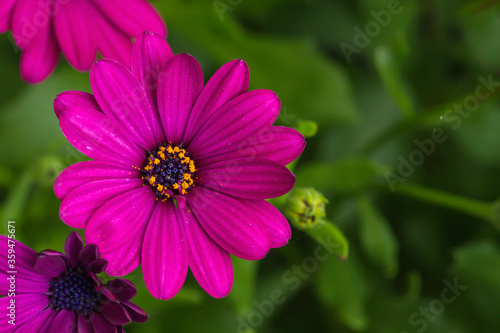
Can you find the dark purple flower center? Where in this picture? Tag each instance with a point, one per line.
(170, 171)
(73, 291)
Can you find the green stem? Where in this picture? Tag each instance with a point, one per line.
(465, 205)
(427, 118)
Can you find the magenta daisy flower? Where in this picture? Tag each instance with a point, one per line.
(181, 170)
(78, 28)
(53, 292)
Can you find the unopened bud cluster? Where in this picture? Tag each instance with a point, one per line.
(305, 207)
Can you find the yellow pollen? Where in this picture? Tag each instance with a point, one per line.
(169, 170)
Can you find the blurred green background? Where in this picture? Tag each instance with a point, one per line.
(406, 150)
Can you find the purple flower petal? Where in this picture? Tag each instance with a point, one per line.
(164, 252)
(89, 253)
(276, 143)
(39, 323)
(123, 290)
(123, 99)
(80, 204)
(71, 28)
(40, 58)
(178, 87)
(6, 8)
(210, 264)
(105, 292)
(52, 263)
(69, 99)
(125, 259)
(247, 178)
(23, 28)
(149, 57)
(115, 313)
(72, 248)
(101, 324)
(137, 314)
(28, 307)
(24, 285)
(97, 266)
(84, 325)
(229, 81)
(118, 220)
(81, 173)
(275, 223)
(99, 137)
(240, 118)
(134, 18)
(25, 259)
(64, 321)
(111, 42)
(230, 223)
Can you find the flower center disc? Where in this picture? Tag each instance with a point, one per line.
(169, 171)
(73, 291)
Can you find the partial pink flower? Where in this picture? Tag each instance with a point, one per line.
(54, 292)
(77, 28)
(181, 170)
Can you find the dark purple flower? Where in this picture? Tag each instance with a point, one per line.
(181, 170)
(53, 292)
(78, 28)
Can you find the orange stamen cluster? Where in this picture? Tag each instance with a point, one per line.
(170, 171)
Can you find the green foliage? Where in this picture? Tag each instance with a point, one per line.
(348, 175)
(344, 287)
(361, 116)
(377, 238)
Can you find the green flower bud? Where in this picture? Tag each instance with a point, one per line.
(305, 207)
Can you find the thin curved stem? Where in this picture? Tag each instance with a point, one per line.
(462, 204)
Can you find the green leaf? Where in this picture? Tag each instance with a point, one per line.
(377, 238)
(479, 136)
(344, 287)
(243, 292)
(389, 73)
(476, 269)
(329, 235)
(348, 175)
(481, 28)
(480, 262)
(16, 202)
